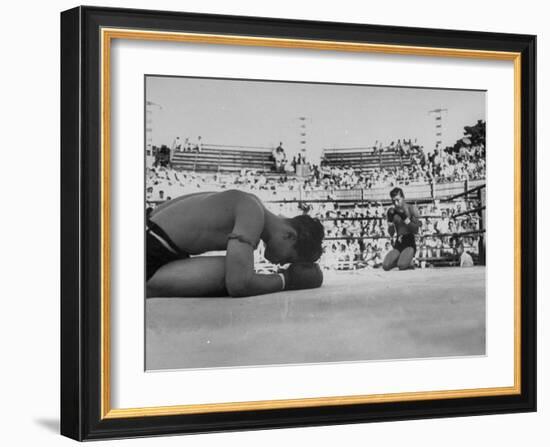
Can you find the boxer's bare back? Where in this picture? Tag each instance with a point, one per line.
(200, 222)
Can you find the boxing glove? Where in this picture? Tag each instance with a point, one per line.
(303, 275)
(401, 212)
(390, 214)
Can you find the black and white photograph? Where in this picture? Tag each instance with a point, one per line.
(304, 223)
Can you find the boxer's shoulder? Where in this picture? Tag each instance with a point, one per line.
(247, 201)
(237, 196)
(411, 208)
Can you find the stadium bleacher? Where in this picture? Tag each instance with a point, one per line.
(365, 159)
(223, 158)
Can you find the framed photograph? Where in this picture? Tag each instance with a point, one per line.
(275, 223)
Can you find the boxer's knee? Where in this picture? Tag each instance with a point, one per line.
(405, 260)
(390, 260)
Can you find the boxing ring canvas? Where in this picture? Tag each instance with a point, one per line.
(270, 223)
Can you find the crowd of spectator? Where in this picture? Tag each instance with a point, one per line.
(356, 234)
(440, 166)
(186, 145)
(165, 181)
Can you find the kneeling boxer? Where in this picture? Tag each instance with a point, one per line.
(403, 219)
(233, 221)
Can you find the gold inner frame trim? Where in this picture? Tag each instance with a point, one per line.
(107, 35)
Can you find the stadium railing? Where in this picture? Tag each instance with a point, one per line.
(413, 191)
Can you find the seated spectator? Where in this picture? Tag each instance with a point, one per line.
(442, 225)
(198, 145)
(465, 260)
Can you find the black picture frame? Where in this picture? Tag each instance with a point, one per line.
(81, 224)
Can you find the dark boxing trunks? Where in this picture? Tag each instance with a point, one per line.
(404, 241)
(160, 249)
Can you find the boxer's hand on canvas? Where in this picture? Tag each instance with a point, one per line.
(303, 275)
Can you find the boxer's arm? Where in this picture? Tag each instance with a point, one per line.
(391, 228)
(414, 220)
(240, 278)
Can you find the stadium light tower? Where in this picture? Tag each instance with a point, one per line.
(438, 125)
(150, 108)
(303, 122)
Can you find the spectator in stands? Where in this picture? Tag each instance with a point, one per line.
(198, 146)
(176, 145)
(423, 255)
(438, 247)
(162, 156)
(403, 221)
(452, 227)
(279, 156)
(465, 260)
(371, 257)
(442, 225)
(236, 222)
(330, 257)
(149, 194)
(342, 257)
(186, 145)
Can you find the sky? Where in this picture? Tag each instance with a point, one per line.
(264, 113)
